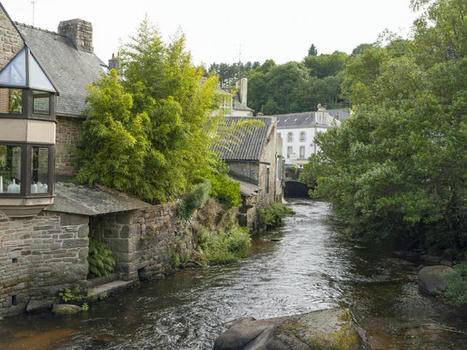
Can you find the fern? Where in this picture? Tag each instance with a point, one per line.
(101, 260)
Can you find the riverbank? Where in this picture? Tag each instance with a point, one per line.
(307, 267)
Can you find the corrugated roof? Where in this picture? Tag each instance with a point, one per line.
(245, 144)
(296, 120)
(70, 70)
(82, 200)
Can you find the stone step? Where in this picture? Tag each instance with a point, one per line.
(108, 288)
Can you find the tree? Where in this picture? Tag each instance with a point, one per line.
(396, 168)
(360, 48)
(312, 51)
(155, 126)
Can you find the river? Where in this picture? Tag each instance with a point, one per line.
(304, 266)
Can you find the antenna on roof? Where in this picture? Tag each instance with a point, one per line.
(33, 2)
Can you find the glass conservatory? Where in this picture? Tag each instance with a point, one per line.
(27, 136)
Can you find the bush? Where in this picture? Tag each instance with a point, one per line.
(226, 190)
(456, 286)
(194, 199)
(271, 216)
(224, 247)
(100, 259)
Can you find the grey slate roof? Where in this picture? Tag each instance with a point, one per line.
(296, 120)
(82, 200)
(339, 113)
(246, 145)
(69, 69)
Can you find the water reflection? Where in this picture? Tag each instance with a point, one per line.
(307, 267)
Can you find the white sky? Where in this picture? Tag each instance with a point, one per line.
(222, 31)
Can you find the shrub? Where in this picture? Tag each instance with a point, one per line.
(226, 190)
(224, 247)
(271, 216)
(72, 295)
(194, 199)
(456, 286)
(100, 259)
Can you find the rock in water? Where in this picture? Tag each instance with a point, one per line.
(323, 329)
(65, 309)
(431, 279)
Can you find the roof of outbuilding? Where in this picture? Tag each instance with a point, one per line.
(82, 200)
(246, 143)
(70, 70)
(296, 120)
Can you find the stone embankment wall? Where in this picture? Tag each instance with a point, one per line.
(144, 241)
(38, 257)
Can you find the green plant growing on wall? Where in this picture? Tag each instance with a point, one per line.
(193, 200)
(72, 295)
(224, 247)
(101, 260)
(226, 190)
(271, 216)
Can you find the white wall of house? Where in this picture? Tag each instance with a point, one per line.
(298, 143)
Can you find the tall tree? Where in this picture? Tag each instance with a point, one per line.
(312, 51)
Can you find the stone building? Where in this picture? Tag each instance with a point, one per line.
(234, 101)
(254, 157)
(46, 221)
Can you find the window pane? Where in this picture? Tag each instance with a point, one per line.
(11, 101)
(302, 152)
(39, 170)
(15, 72)
(302, 136)
(41, 102)
(289, 151)
(289, 137)
(37, 78)
(10, 169)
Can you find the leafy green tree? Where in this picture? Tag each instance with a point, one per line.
(396, 168)
(325, 65)
(360, 48)
(312, 51)
(151, 133)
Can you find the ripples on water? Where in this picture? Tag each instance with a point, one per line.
(308, 268)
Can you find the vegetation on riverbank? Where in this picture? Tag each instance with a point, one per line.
(456, 286)
(272, 216)
(396, 168)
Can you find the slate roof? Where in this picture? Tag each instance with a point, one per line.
(296, 120)
(70, 70)
(82, 200)
(248, 144)
(339, 113)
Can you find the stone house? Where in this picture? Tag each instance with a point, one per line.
(46, 221)
(236, 105)
(255, 160)
(298, 131)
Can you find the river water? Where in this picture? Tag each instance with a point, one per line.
(304, 266)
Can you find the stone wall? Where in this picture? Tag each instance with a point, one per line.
(248, 170)
(10, 40)
(144, 241)
(67, 137)
(79, 32)
(38, 257)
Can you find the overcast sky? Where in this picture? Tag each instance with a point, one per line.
(226, 31)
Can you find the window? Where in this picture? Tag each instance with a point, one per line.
(41, 102)
(289, 151)
(289, 137)
(268, 174)
(10, 169)
(11, 101)
(302, 152)
(39, 170)
(302, 136)
(15, 72)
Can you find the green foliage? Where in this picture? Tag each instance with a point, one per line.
(101, 260)
(312, 51)
(85, 307)
(224, 247)
(194, 199)
(16, 101)
(396, 168)
(271, 216)
(226, 190)
(150, 133)
(72, 295)
(456, 286)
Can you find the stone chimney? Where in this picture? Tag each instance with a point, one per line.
(114, 62)
(79, 32)
(242, 86)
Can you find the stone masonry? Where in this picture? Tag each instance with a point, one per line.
(79, 32)
(38, 257)
(10, 41)
(67, 137)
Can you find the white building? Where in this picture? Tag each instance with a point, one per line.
(298, 131)
(234, 101)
